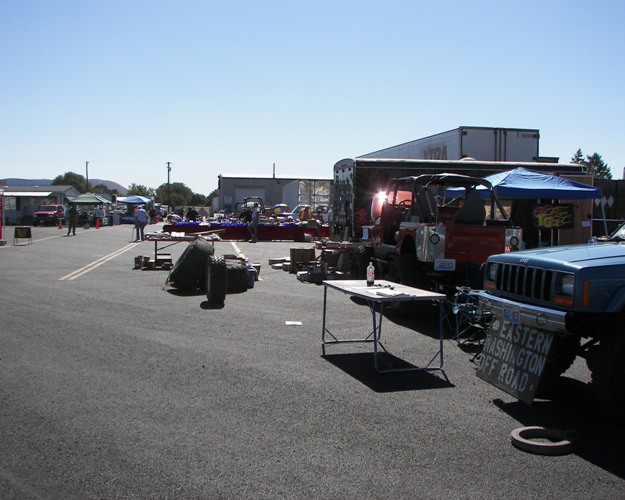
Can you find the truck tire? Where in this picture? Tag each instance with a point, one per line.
(216, 280)
(189, 272)
(608, 375)
(561, 356)
(237, 276)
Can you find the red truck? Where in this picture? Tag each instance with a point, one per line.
(435, 231)
(49, 215)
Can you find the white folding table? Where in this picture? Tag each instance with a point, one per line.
(376, 296)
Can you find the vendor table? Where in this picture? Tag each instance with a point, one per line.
(240, 232)
(166, 242)
(376, 296)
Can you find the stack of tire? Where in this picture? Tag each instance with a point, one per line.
(199, 269)
(189, 272)
(224, 276)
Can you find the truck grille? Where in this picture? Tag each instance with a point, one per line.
(525, 281)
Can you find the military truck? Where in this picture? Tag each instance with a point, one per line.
(434, 231)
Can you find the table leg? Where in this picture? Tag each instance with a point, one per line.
(376, 332)
(441, 331)
(323, 325)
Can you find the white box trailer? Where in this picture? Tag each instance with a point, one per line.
(313, 192)
(481, 143)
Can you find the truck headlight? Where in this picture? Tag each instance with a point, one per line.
(491, 271)
(565, 285)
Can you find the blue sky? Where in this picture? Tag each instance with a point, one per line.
(232, 87)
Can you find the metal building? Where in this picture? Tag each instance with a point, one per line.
(273, 190)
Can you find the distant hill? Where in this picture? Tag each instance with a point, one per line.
(46, 182)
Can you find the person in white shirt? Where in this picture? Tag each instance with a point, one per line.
(253, 225)
(141, 219)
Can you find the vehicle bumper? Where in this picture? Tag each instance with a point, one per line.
(524, 314)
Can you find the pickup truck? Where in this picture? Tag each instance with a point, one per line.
(550, 305)
(243, 209)
(48, 215)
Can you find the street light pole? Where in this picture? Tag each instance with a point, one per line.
(168, 197)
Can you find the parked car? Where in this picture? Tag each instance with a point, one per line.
(49, 215)
(617, 235)
(297, 212)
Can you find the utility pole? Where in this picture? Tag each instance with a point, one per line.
(168, 197)
(87, 172)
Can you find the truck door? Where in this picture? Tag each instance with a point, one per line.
(397, 206)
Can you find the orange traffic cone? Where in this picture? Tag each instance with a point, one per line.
(60, 224)
(97, 223)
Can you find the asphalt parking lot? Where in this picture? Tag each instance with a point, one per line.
(113, 385)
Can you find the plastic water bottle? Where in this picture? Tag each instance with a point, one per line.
(370, 274)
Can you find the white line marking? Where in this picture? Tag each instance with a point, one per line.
(237, 250)
(96, 263)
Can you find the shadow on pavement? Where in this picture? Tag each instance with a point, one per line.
(601, 441)
(426, 324)
(185, 293)
(206, 305)
(360, 366)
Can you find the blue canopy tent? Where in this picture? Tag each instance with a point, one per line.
(524, 183)
(134, 200)
(521, 183)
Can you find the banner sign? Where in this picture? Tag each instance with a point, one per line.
(554, 216)
(514, 357)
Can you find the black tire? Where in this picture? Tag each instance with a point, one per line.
(561, 356)
(216, 280)
(405, 269)
(189, 272)
(237, 276)
(608, 375)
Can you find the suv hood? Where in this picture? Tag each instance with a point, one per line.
(574, 255)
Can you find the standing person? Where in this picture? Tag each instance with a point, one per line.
(72, 215)
(253, 225)
(152, 215)
(141, 219)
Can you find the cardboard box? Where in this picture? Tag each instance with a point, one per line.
(301, 257)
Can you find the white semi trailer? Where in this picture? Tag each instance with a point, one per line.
(481, 143)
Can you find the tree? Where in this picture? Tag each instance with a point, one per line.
(210, 197)
(598, 167)
(140, 190)
(103, 189)
(177, 194)
(198, 200)
(594, 164)
(578, 157)
(72, 179)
